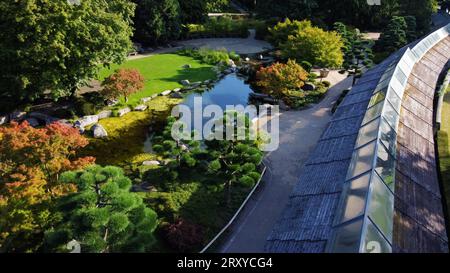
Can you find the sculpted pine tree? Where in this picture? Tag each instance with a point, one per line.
(235, 159)
(179, 153)
(103, 215)
(357, 52)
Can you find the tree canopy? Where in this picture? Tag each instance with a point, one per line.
(52, 46)
(102, 215)
(314, 45)
(30, 163)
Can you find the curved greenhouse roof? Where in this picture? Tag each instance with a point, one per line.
(371, 183)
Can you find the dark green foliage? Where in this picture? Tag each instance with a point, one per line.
(357, 52)
(217, 27)
(103, 215)
(394, 36)
(295, 9)
(180, 154)
(50, 47)
(157, 21)
(411, 28)
(235, 160)
(193, 11)
(207, 56)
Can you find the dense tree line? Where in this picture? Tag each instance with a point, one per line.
(353, 12)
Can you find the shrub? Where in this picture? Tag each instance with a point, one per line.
(234, 56)
(278, 79)
(85, 108)
(184, 236)
(207, 55)
(279, 33)
(218, 27)
(306, 65)
(313, 44)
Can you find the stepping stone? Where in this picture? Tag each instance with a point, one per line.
(141, 107)
(123, 111)
(165, 93)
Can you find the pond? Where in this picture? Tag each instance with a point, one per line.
(231, 90)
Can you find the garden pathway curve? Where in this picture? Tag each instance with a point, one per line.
(299, 133)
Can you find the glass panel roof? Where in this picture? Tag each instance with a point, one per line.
(368, 132)
(362, 160)
(347, 238)
(385, 166)
(381, 204)
(353, 202)
(373, 112)
(374, 242)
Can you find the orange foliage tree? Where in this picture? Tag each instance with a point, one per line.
(278, 79)
(30, 162)
(123, 82)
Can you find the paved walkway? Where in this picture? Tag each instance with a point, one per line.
(299, 133)
(239, 45)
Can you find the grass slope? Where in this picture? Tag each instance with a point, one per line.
(163, 72)
(444, 148)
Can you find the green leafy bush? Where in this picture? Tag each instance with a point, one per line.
(217, 27)
(207, 56)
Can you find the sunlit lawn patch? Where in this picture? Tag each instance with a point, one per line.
(164, 72)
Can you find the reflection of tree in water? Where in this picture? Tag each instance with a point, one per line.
(385, 161)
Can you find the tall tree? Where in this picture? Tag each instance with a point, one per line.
(30, 163)
(55, 46)
(103, 215)
(157, 21)
(316, 46)
(294, 9)
(193, 11)
(394, 36)
(357, 52)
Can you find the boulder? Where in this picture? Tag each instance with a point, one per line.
(231, 63)
(309, 87)
(86, 121)
(153, 96)
(146, 99)
(112, 102)
(104, 114)
(177, 90)
(123, 111)
(3, 119)
(186, 66)
(98, 131)
(151, 163)
(141, 107)
(17, 115)
(176, 95)
(283, 106)
(33, 122)
(44, 118)
(165, 93)
(185, 82)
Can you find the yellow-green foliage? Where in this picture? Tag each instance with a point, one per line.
(126, 135)
(444, 148)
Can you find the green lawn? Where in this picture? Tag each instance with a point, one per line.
(444, 148)
(163, 72)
